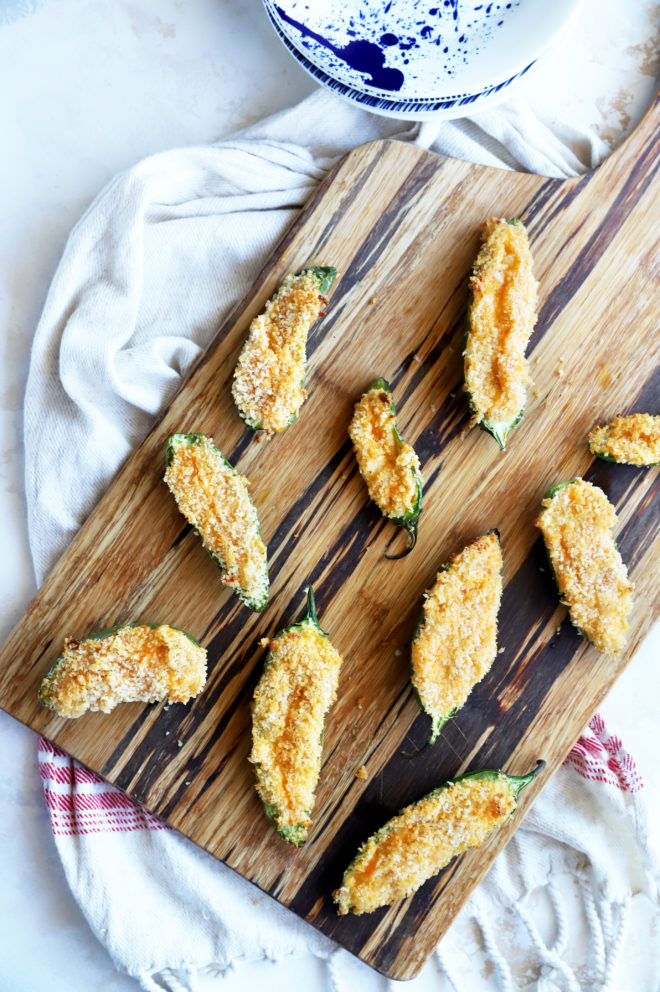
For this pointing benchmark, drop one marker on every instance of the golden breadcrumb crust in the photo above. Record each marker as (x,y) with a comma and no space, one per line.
(421,840)
(593,581)
(457,642)
(296,690)
(501,320)
(268,379)
(132,665)
(634,440)
(387,464)
(214,499)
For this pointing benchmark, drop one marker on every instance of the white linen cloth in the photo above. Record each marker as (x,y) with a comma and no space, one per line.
(169,913)
(146,277)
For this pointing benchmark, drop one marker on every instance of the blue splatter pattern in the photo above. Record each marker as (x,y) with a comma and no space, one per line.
(393,47)
(13,10)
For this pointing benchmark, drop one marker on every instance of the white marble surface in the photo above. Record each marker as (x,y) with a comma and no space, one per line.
(87,88)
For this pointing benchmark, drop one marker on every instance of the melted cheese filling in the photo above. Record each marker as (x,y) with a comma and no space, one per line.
(502,317)
(135,664)
(457,643)
(214,499)
(268,379)
(387,464)
(577,528)
(415,845)
(296,690)
(634,440)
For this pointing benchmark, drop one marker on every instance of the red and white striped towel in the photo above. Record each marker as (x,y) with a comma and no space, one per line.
(169,913)
(600,756)
(80,802)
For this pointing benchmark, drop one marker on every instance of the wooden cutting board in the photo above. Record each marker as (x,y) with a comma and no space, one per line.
(402,226)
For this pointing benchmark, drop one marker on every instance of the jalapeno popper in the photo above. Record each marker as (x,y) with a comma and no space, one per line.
(137,663)
(633,440)
(576,523)
(214,498)
(297,688)
(456,640)
(501,318)
(269,378)
(387,464)
(415,845)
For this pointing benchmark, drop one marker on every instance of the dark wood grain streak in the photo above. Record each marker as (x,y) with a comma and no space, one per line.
(634,188)
(402,226)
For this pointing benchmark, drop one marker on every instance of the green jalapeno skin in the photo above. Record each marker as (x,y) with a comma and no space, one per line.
(256,602)
(408,521)
(43,693)
(599,636)
(293,833)
(640,451)
(438,720)
(500,431)
(325,276)
(343,896)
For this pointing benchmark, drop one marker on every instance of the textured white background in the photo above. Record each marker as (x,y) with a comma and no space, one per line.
(88,87)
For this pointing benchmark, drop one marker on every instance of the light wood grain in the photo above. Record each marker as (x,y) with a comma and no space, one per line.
(402,227)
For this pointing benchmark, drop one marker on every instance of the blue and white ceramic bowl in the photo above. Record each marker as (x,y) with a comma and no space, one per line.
(420,58)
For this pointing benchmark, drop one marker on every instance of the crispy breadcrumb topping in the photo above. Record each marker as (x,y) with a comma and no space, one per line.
(268,379)
(502,317)
(296,690)
(137,664)
(634,440)
(421,840)
(577,527)
(214,499)
(457,642)
(387,464)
